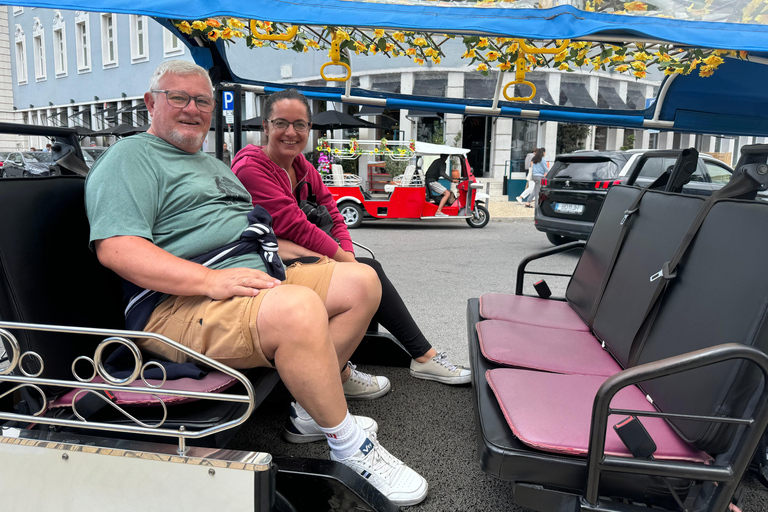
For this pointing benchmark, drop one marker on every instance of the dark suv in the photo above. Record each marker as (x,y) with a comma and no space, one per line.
(572,193)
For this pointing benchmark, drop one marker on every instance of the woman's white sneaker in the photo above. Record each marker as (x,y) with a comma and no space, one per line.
(399,483)
(440,369)
(300,429)
(363,386)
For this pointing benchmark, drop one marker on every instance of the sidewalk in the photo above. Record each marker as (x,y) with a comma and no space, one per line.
(500,206)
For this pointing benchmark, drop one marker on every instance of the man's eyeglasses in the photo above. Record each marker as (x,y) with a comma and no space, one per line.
(282,124)
(178,99)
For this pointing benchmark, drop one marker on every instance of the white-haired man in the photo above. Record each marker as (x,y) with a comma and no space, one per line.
(156,201)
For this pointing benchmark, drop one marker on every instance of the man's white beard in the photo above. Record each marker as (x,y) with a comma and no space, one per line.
(196,141)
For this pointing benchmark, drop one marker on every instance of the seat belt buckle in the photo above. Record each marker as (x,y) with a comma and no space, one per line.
(627,214)
(634,436)
(542,289)
(664,272)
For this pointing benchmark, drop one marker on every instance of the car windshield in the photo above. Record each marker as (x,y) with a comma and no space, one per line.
(584,169)
(94,153)
(38,156)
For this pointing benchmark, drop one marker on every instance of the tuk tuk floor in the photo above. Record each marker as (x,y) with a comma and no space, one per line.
(430,427)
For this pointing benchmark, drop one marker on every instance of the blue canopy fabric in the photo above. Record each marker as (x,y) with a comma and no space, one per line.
(731,102)
(503,20)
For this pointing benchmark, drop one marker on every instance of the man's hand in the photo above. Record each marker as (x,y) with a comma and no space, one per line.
(146,265)
(231,282)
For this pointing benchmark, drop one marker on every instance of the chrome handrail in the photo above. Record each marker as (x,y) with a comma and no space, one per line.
(123,337)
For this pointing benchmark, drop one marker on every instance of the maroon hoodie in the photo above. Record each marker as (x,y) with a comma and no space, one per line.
(270,188)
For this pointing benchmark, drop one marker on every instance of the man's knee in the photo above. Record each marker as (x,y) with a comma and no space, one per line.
(294,307)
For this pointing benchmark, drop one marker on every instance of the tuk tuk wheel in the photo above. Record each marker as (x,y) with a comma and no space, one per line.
(352,214)
(479,218)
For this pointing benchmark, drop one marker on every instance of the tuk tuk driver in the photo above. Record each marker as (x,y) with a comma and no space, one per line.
(434,173)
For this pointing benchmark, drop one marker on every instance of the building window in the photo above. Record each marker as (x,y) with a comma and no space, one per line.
(38,49)
(59,45)
(21,56)
(108,40)
(139,39)
(83,32)
(172,45)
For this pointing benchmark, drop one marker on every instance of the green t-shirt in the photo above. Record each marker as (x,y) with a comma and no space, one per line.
(187,204)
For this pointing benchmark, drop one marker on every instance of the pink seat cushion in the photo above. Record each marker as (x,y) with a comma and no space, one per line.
(214,381)
(544,348)
(552,412)
(530,310)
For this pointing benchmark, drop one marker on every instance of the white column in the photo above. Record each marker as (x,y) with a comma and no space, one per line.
(687,140)
(454,122)
(740,142)
(501,149)
(365,134)
(547,133)
(593,85)
(728,145)
(666,140)
(406,125)
(707,144)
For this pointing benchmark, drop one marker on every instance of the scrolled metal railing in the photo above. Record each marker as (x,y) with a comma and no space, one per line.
(16,373)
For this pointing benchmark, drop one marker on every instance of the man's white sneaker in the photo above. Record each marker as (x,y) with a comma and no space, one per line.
(402,485)
(363,386)
(441,214)
(519,199)
(300,430)
(440,369)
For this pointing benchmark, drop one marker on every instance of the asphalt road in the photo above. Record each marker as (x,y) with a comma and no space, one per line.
(437,265)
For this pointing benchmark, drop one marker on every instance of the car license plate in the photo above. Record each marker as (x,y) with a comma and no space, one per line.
(572,209)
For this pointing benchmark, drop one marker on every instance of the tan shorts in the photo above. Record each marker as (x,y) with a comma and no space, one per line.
(226,330)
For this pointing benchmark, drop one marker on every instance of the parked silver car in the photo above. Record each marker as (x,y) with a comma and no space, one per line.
(29,164)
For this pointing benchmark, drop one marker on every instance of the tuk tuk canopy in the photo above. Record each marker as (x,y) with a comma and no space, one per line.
(729,102)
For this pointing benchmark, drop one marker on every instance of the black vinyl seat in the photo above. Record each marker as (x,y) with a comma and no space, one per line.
(49,276)
(718,294)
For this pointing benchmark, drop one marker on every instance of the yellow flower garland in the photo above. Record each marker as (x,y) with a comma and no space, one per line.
(482,52)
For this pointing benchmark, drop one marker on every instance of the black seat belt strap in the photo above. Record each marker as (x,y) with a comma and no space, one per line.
(625,223)
(739,185)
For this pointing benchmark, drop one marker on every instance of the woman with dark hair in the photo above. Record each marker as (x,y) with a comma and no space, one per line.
(271,174)
(538,171)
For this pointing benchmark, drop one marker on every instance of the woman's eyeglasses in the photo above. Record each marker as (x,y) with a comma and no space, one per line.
(282,124)
(178,99)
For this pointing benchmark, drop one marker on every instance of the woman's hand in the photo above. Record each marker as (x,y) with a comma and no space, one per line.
(344,256)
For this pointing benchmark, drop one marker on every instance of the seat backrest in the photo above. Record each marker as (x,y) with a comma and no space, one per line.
(337,171)
(408,176)
(662,220)
(47,273)
(588,275)
(720,295)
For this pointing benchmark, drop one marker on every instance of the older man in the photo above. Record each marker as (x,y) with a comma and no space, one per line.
(156,201)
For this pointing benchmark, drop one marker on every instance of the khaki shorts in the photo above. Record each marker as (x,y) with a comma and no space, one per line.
(225,330)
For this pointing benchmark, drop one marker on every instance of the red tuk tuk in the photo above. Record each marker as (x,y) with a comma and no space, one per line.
(406,196)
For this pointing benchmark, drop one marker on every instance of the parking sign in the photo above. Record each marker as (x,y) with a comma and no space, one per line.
(228,100)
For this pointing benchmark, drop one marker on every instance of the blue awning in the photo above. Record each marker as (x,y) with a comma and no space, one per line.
(505,20)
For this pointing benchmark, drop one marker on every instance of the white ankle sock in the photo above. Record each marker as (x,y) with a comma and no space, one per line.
(345,438)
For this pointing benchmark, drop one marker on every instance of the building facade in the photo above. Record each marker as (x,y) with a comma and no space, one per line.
(83,69)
